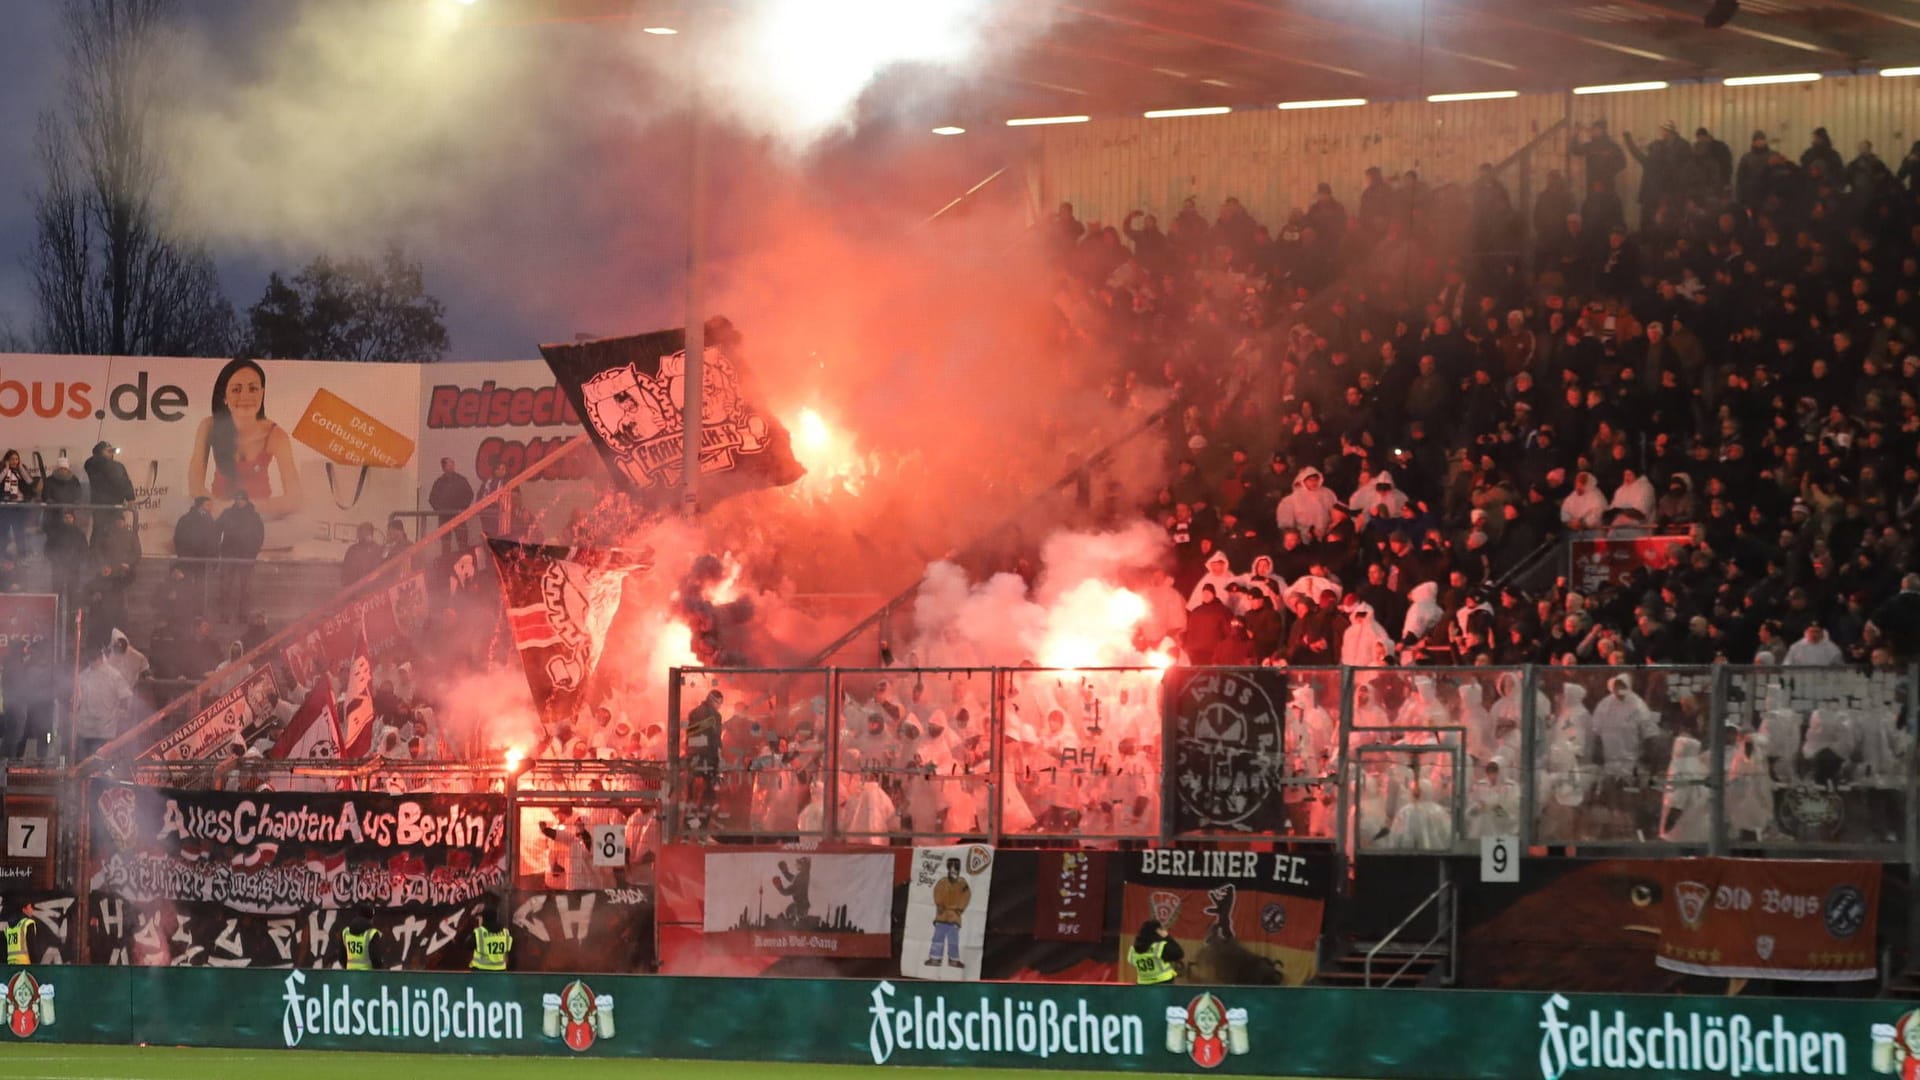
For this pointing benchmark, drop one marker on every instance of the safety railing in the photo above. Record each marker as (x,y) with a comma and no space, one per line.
(1447,926)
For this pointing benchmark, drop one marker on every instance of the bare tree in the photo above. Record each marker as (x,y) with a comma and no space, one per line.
(111,276)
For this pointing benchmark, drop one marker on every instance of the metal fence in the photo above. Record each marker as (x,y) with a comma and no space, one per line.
(1642,760)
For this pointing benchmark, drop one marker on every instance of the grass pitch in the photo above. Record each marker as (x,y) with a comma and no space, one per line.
(54,1061)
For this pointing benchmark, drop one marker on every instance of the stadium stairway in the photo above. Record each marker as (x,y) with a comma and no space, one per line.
(1397,963)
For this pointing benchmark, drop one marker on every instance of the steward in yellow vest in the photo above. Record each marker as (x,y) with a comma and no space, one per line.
(492,943)
(1153,955)
(13,935)
(361,941)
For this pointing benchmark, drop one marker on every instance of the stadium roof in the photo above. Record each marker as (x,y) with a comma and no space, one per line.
(1121,56)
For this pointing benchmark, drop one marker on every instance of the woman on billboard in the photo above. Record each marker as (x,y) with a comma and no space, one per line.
(246,448)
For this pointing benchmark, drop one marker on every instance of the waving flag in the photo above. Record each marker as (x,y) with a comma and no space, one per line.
(560,602)
(631,392)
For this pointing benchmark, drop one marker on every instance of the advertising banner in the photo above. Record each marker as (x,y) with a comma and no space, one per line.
(30,618)
(494,418)
(318,447)
(1240,916)
(283,852)
(946,912)
(1805,919)
(1226,754)
(1240,1031)
(786,904)
(1070,901)
(1600,563)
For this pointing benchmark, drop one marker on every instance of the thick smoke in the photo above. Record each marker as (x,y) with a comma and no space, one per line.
(1101,600)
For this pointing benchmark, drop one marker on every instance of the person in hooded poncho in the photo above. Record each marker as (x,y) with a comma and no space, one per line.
(1686,812)
(1365,642)
(1378,499)
(1622,724)
(1219,575)
(1493,803)
(1585,507)
(1309,507)
(1750,786)
(1423,824)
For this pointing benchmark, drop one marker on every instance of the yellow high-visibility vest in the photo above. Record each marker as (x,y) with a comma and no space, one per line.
(16,939)
(490,948)
(358,948)
(1150,967)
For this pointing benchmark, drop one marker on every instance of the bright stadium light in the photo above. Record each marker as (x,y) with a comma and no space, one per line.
(1210,110)
(1477,95)
(949,129)
(663,31)
(1620,88)
(1897,73)
(1042,121)
(1325,103)
(1769,80)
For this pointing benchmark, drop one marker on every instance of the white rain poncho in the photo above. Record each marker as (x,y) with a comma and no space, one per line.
(1622,724)
(1686,811)
(1423,824)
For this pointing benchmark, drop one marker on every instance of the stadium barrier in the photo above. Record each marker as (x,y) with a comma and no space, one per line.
(1404,1035)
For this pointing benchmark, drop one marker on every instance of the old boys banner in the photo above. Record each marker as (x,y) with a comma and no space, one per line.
(631,392)
(946,912)
(560,602)
(1240,916)
(280,852)
(795,904)
(1226,754)
(1811,920)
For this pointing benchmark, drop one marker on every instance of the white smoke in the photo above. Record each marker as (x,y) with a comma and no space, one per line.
(1101,599)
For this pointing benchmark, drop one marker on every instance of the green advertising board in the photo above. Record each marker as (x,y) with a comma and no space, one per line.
(1356,1034)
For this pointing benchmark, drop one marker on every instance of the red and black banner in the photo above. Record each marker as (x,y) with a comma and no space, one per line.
(1070,899)
(284,852)
(560,602)
(1240,916)
(1802,919)
(605,930)
(630,391)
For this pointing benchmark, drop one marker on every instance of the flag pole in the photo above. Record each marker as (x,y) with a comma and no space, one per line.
(696,333)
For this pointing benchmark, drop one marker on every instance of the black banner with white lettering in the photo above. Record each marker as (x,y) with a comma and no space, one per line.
(1247,917)
(609,930)
(286,852)
(1226,750)
(630,392)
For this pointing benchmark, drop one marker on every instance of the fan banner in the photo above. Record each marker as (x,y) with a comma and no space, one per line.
(1811,920)
(946,912)
(280,852)
(1226,759)
(560,602)
(1070,897)
(631,393)
(1242,917)
(224,724)
(787,904)
(313,734)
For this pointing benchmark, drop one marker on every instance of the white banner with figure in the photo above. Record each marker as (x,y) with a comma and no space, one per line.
(946,912)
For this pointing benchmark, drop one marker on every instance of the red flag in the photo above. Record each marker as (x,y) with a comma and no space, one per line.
(560,602)
(314,731)
(359,726)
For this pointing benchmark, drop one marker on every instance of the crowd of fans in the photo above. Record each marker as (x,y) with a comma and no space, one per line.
(1740,368)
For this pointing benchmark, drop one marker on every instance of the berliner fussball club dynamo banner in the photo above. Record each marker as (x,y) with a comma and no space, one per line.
(946,912)
(1306,1032)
